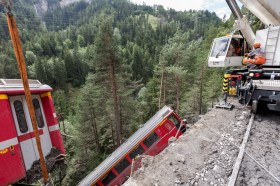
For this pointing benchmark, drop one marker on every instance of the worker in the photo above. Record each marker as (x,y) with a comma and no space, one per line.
(257,51)
(255,57)
(231,51)
(234,48)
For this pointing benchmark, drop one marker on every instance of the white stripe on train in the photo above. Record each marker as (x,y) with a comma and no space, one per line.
(7,143)
(54,128)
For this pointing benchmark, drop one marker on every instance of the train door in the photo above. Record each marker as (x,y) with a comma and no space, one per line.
(25,130)
(42,125)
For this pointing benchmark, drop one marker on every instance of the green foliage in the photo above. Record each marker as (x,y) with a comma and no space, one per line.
(31,58)
(113,64)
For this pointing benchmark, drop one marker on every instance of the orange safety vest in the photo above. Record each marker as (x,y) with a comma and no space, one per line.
(259,59)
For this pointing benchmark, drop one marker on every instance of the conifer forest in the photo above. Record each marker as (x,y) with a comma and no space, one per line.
(112,65)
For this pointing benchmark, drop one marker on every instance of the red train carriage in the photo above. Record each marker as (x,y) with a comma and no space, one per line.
(151,139)
(18,149)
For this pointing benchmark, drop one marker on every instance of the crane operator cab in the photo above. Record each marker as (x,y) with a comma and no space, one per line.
(227,51)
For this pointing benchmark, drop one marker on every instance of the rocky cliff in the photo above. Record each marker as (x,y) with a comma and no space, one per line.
(42,6)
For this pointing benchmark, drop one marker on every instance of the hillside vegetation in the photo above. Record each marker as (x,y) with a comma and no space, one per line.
(112,65)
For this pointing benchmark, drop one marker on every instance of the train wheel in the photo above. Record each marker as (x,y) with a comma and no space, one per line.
(254,106)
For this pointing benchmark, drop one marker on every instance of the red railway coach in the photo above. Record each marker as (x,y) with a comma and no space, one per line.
(151,139)
(18,150)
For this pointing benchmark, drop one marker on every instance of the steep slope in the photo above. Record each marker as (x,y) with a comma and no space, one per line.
(205,155)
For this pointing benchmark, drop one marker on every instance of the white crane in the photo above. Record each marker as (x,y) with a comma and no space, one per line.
(263,83)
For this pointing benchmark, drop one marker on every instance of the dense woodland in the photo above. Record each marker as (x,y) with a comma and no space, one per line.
(112,65)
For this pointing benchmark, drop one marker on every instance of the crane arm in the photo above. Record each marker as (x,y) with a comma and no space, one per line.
(268,11)
(241,22)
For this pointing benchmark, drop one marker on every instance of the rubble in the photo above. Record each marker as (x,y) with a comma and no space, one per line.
(264,146)
(34,173)
(204,155)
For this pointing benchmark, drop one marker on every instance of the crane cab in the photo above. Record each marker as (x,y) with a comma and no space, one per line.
(227,51)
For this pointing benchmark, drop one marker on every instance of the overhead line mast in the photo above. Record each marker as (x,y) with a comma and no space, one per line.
(14,33)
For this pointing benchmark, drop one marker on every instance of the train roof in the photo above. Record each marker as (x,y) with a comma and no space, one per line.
(126,146)
(15,86)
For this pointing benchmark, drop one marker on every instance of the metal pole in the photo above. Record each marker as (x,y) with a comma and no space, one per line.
(178,130)
(23,73)
(132,167)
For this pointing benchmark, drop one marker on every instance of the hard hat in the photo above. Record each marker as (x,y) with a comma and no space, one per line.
(257,45)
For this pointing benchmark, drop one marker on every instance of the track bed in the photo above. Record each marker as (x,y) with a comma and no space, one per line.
(264,146)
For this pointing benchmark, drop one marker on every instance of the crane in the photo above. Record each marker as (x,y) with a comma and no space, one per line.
(261,84)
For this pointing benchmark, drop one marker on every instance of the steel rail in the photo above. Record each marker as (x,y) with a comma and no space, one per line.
(249,155)
(239,159)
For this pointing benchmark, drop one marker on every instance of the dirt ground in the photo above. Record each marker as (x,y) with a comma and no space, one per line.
(204,155)
(35,172)
(264,146)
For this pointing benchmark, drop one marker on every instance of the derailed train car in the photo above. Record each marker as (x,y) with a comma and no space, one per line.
(18,150)
(151,139)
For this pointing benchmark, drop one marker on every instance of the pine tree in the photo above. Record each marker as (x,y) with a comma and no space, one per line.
(172,71)
(40,71)
(60,74)
(108,62)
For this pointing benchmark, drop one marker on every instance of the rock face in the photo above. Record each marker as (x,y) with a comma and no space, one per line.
(43,6)
(67,2)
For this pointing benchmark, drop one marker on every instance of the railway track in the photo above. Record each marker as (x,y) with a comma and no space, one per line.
(258,161)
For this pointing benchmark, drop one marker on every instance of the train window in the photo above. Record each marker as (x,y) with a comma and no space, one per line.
(20,116)
(150,140)
(137,151)
(108,178)
(38,113)
(122,165)
(174,120)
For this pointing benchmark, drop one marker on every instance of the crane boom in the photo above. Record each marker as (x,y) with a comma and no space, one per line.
(241,22)
(268,11)
(234,9)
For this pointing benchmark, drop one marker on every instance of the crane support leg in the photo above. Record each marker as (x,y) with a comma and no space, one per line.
(276,106)
(223,103)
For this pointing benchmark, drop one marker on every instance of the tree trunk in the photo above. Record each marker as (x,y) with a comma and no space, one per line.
(113,133)
(200,91)
(116,102)
(160,90)
(177,94)
(94,128)
(62,119)
(121,118)
(64,130)
(164,91)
